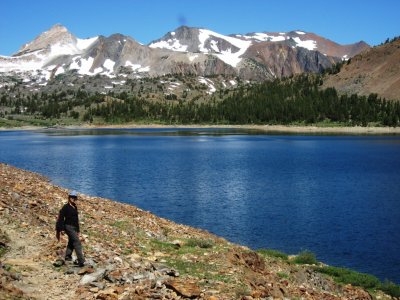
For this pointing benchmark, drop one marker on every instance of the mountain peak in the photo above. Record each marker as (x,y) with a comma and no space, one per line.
(58,28)
(56,34)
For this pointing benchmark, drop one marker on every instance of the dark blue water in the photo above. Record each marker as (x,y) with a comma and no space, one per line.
(338,196)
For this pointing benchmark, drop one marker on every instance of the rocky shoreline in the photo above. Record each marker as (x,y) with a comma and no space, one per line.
(133,254)
(355,130)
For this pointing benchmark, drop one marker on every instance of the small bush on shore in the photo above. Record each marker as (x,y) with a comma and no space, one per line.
(305,258)
(273,253)
(390,288)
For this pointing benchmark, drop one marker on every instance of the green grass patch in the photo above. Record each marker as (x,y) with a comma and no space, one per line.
(204,244)
(305,258)
(346,276)
(4,240)
(343,275)
(163,246)
(3,250)
(121,224)
(189,246)
(390,288)
(273,253)
(283,275)
(195,269)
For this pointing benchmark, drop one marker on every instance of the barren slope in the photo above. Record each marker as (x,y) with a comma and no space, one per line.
(376,70)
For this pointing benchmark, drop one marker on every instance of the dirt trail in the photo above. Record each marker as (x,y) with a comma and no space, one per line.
(38,278)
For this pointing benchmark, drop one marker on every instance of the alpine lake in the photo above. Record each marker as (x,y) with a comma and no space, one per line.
(335,195)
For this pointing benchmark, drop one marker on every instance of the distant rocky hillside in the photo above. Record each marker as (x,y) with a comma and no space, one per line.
(376,70)
(187,50)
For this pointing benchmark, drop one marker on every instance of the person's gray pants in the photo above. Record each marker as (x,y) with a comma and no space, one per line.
(73,244)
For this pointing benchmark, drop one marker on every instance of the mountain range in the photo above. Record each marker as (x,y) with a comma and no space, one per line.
(186,50)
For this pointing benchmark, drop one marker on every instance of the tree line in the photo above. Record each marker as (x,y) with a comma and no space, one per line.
(288,101)
(277,102)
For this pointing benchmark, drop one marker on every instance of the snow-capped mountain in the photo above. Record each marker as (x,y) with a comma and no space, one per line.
(39,54)
(230,48)
(186,50)
(186,39)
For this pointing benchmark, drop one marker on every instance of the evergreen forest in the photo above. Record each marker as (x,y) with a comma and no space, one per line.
(296,100)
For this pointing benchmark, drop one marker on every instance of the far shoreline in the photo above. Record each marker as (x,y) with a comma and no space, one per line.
(312,129)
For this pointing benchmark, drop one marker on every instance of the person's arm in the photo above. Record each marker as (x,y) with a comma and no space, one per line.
(78,230)
(60,223)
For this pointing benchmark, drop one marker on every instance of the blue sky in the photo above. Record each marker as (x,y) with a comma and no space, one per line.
(146,20)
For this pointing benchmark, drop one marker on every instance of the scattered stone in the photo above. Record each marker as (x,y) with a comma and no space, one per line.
(118,260)
(89,278)
(15,196)
(177,243)
(108,294)
(86,270)
(59,263)
(185,288)
(32,203)
(99,285)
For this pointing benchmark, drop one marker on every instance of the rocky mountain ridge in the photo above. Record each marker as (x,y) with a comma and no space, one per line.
(376,70)
(186,50)
(132,254)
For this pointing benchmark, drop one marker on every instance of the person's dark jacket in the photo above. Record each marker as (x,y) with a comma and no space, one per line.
(68,216)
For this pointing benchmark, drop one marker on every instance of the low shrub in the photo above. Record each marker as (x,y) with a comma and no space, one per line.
(346,276)
(305,257)
(273,253)
(390,288)
(205,244)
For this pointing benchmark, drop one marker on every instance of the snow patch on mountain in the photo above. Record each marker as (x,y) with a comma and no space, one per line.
(84,65)
(193,57)
(137,67)
(133,66)
(171,44)
(209,84)
(109,64)
(71,48)
(83,44)
(14,64)
(59,71)
(308,44)
(62,49)
(229,57)
(264,37)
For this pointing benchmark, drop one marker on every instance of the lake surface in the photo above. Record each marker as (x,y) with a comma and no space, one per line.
(337,196)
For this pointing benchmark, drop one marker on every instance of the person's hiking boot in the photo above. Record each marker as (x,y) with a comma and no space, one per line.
(79,264)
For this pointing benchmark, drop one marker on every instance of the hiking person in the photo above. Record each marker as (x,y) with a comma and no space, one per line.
(68,222)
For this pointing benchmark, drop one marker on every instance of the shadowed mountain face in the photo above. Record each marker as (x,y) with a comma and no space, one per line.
(198,51)
(376,70)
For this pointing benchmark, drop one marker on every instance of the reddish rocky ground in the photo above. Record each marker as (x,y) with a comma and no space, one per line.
(132,254)
(376,70)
